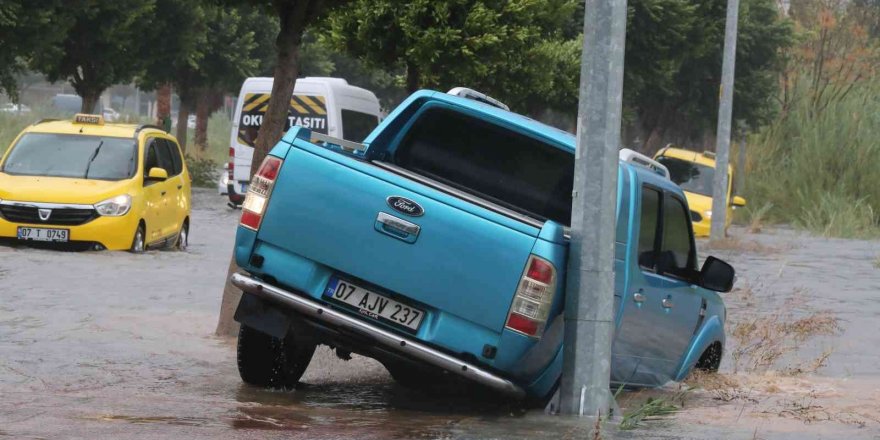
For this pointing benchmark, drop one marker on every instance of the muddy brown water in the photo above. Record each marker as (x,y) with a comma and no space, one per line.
(113,345)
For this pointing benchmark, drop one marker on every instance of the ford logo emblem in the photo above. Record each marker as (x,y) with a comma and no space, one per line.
(404,205)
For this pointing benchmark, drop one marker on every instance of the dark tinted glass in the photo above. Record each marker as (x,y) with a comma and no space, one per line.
(70,155)
(690,176)
(356,125)
(648,227)
(676,252)
(164,156)
(513,170)
(174,155)
(152,158)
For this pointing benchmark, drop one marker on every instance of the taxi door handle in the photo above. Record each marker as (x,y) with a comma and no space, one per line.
(162,193)
(179,186)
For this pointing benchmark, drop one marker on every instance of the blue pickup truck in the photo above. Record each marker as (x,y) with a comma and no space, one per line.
(439,246)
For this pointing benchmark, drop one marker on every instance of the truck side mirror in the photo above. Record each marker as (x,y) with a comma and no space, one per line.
(717,275)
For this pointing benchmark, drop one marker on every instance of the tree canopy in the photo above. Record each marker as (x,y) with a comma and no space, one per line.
(104,45)
(673,66)
(505,48)
(27,27)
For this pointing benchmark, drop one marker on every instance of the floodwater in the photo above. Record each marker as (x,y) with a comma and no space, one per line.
(113,345)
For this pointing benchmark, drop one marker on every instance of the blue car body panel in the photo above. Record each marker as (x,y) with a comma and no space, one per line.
(464,265)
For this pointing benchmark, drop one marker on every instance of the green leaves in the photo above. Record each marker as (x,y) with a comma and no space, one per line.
(500,47)
(27,27)
(102,46)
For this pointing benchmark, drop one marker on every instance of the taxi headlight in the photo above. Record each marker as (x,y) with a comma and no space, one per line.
(114,207)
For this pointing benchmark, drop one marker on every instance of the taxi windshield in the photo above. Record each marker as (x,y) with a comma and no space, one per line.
(690,176)
(76,156)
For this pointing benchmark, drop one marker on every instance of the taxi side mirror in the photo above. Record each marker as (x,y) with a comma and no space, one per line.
(157,174)
(738,202)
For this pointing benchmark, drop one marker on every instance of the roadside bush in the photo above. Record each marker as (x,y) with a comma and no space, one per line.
(818,170)
(203,171)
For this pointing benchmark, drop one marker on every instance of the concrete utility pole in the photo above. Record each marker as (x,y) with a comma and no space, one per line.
(589,299)
(725,112)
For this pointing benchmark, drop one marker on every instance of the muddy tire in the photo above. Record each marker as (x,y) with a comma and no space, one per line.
(710,361)
(266,361)
(138,242)
(182,238)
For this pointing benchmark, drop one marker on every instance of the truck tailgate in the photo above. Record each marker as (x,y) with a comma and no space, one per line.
(464,261)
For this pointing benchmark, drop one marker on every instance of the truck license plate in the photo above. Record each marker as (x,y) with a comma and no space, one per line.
(374,305)
(43,234)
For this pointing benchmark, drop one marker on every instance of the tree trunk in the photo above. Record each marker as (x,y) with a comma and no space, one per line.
(89,100)
(293,17)
(226,325)
(412,78)
(182,119)
(163,102)
(202,113)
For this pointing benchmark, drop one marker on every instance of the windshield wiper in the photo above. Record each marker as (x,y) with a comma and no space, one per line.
(92,159)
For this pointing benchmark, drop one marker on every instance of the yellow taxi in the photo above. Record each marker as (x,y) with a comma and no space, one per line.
(695,173)
(83,183)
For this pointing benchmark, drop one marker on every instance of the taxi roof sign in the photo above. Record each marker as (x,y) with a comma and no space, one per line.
(83,118)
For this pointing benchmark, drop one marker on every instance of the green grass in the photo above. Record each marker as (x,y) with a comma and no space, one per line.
(217,150)
(11,124)
(819,172)
(654,408)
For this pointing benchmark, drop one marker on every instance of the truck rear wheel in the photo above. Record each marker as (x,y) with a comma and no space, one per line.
(270,362)
(409,376)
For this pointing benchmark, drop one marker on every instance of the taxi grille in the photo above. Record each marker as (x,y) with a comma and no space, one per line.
(58,216)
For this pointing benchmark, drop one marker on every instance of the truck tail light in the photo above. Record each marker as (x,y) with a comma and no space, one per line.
(258,193)
(230,169)
(534,296)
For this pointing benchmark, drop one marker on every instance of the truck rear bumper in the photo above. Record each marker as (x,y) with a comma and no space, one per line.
(403,345)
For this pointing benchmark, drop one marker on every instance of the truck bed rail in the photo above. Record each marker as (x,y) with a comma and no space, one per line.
(344,144)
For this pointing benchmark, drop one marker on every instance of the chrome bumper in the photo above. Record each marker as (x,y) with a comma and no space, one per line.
(320,312)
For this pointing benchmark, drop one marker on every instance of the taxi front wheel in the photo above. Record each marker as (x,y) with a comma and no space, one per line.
(183,238)
(137,243)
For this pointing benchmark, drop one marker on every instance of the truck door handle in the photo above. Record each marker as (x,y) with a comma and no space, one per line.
(639,297)
(162,193)
(397,227)
(179,186)
(667,303)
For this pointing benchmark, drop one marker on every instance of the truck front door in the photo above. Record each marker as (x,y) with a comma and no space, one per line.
(681,301)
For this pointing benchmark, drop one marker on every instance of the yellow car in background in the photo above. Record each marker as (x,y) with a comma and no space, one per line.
(86,184)
(694,173)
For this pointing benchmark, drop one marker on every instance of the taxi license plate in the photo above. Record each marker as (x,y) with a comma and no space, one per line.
(43,234)
(374,305)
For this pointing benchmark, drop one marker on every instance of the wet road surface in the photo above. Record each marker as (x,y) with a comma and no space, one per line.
(114,345)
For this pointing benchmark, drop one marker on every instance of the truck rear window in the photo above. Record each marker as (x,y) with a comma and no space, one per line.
(490,161)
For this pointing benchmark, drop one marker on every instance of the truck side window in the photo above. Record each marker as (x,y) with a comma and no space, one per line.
(677,255)
(648,228)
